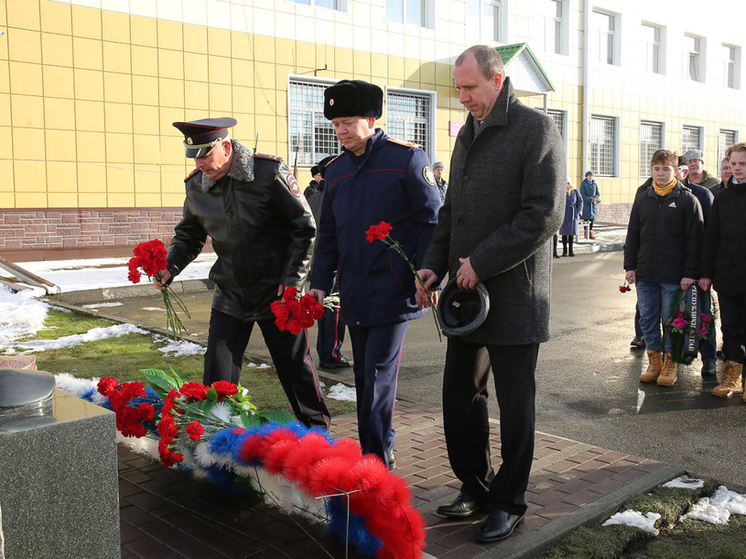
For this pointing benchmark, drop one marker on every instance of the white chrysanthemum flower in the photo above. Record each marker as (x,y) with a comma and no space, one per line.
(202,455)
(222,411)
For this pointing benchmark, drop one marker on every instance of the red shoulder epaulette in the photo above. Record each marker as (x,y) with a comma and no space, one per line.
(191,175)
(270,157)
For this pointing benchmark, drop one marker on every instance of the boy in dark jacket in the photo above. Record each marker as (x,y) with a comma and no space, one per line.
(662,255)
(724,267)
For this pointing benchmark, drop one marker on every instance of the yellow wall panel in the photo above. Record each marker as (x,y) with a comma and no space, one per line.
(147,150)
(242,46)
(56,17)
(265,126)
(58,82)
(143,31)
(116,26)
(145,119)
(117,88)
(86,22)
(147,200)
(171,64)
(144,90)
(243,99)
(57,49)
(306,57)
(172,180)
(120,200)
(23,14)
(89,116)
(62,200)
(92,200)
(63,177)
(219,70)
(171,92)
(167,116)
(118,149)
(30,176)
(218,42)
(361,63)
(220,99)
(395,70)
(6,165)
(173,150)
(264,48)
(147,177)
(117,57)
(196,95)
(60,145)
(25,78)
(195,38)
(286,52)
(144,61)
(92,178)
(245,131)
(380,64)
(5,110)
(4,78)
(242,72)
(28,143)
(7,200)
(119,180)
(170,35)
(264,75)
(118,117)
(91,148)
(343,62)
(88,53)
(31,200)
(195,67)
(24,45)
(172,200)
(89,84)
(59,114)
(27,111)
(427,74)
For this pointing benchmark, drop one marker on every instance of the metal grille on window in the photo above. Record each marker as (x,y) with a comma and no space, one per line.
(727,139)
(408,118)
(311,134)
(690,138)
(559,119)
(603,140)
(651,140)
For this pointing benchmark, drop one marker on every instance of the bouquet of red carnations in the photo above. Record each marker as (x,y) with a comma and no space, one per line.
(151,257)
(294,312)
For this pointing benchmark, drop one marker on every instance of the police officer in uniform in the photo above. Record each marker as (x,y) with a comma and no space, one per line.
(374,179)
(262,231)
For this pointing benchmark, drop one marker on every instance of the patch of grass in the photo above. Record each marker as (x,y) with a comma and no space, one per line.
(123,358)
(677,539)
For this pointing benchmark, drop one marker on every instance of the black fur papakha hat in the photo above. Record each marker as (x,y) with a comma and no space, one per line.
(462,312)
(353,98)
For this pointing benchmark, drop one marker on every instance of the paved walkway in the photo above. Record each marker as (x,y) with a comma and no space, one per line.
(166,514)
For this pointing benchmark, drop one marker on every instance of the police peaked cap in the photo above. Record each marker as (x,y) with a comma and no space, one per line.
(461,312)
(201,135)
(353,98)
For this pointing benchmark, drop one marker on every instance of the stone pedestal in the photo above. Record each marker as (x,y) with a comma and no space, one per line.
(58,480)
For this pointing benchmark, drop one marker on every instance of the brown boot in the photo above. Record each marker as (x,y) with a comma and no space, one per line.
(668,375)
(732,382)
(655,365)
(592,235)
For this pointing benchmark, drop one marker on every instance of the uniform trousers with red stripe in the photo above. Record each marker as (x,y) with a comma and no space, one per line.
(227,342)
(376,353)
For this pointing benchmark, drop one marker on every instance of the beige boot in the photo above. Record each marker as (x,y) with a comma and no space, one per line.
(655,365)
(670,369)
(732,382)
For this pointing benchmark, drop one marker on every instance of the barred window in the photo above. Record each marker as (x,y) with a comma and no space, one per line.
(603,146)
(651,140)
(559,119)
(691,138)
(408,116)
(310,134)
(727,139)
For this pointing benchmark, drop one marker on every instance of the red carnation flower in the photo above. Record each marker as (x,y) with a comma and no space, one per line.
(195,430)
(378,232)
(224,388)
(107,385)
(194,391)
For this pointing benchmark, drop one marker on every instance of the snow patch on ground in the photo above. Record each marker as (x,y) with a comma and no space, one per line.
(685,482)
(342,392)
(635,518)
(181,348)
(718,508)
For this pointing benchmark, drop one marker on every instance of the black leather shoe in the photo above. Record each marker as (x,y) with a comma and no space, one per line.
(638,341)
(343,363)
(708,369)
(465,505)
(498,526)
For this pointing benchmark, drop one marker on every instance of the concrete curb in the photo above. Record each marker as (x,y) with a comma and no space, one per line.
(129,291)
(539,540)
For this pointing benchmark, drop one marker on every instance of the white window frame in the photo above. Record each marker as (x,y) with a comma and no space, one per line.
(480,20)
(565,122)
(427,19)
(655,52)
(695,58)
(616,156)
(732,72)
(308,158)
(431,135)
(610,37)
(700,137)
(645,158)
(341,5)
(723,146)
(558,24)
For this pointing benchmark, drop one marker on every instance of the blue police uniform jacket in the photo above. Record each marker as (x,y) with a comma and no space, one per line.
(391,181)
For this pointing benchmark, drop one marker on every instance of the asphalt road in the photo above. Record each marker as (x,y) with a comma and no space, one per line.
(587,376)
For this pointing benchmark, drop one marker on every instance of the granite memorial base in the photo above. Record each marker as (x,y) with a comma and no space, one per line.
(58,472)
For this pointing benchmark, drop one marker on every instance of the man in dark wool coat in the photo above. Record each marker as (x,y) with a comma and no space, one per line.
(504,203)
